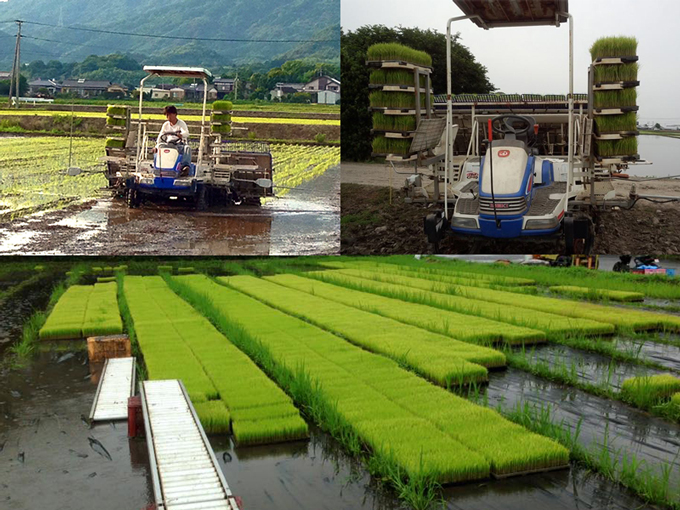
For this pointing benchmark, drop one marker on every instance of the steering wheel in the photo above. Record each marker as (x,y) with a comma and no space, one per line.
(164,138)
(505,124)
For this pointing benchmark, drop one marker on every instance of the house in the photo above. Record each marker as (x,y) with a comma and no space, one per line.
(50,85)
(281,89)
(224,86)
(118,90)
(178,93)
(324,89)
(85,88)
(5,75)
(194,91)
(160,93)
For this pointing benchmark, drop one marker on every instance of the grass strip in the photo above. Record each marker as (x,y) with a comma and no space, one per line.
(438,358)
(647,391)
(467,328)
(440,296)
(406,422)
(621,318)
(598,294)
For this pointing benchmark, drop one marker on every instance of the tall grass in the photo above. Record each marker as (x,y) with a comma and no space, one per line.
(400,123)
(613,295)
(614,47)
(395,51)
(648,391)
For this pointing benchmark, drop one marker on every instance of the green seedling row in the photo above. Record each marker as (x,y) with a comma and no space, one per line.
(467,328)
(401,123)
(222,106)
(675,400)
(383,145)
(621,72)
(438,358)
(216,368)
(614,47)
(214,416)
(623,122)
(395,51)
(115,143)
(110,121)
(117,110)
(394,77)
(621,318)
(615,98)
(102,316)
(624,147)
(449,276)
(647,391)
(613,295)
(82,311)
(439,296)
(415,427)
(398,100)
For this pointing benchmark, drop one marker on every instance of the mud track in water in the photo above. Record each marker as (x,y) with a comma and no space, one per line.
(305,221)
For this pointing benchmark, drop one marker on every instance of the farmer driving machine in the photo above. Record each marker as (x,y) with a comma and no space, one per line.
(511,166)
(204,170)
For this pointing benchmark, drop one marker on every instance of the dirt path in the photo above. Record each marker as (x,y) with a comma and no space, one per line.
(373,226)
(303,222)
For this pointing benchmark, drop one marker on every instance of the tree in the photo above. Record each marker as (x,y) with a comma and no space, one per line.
(657,126)
(470,77)
(23,86)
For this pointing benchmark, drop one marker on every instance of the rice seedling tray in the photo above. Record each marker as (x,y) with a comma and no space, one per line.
(394,134)
(398,88)
(390,110)
(502,476)
(615,60)
(394,157)
(615,85)
(397,64)
(615,111)
(617,160)
(616,135)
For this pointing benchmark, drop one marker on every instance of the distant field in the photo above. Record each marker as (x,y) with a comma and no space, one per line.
(152,116)
(239,105)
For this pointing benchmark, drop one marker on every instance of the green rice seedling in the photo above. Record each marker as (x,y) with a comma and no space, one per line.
(404,288)
(624,147)
(463,327)
(223,106)
(394,77)
(102,316)
(615,123)
(396,100)
(614,47)
(615,98)
(223,128)
(66,319)
(390,410)
(96,270)
(223,118)
(106,279)
(165,269)
(613,73)
(273,430)
(400,123)
(115,122)
(185,270)
(38,268)
(439,358)
(395,51)
(382,145)
(116,110)
(613,295)
(115,143)
(108,269)
(647,391)
(238,382)
(214,416)
(675,400)
(621,318)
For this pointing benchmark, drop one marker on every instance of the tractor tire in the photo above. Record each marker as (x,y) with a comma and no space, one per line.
(132,198)
(201,198)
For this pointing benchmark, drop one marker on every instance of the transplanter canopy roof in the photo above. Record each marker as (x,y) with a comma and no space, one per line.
(514,13)
(179,72)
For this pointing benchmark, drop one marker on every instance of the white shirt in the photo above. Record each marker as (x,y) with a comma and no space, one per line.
(168,128)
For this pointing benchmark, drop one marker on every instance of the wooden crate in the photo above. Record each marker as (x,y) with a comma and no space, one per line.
(101,348)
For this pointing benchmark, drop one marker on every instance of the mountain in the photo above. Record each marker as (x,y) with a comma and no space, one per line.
(225,19)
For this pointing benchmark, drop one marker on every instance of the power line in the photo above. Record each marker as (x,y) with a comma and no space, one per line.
(181,38)
(63,42)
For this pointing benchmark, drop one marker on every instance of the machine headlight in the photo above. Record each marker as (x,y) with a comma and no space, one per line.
(182,182)
(460,222)
(147,180)
(542,224)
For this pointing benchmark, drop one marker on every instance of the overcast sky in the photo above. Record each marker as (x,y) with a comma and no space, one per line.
(535,60)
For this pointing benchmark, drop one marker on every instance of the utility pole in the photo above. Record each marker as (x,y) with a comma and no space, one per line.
(236,88)
(16,67)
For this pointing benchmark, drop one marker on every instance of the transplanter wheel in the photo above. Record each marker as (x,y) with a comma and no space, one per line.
(132,198)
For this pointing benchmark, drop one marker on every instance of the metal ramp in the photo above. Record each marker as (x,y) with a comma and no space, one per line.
(116,385)
(184,470)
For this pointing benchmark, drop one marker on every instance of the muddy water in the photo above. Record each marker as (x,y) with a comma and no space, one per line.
(664,354)
(588,367)
(629,430)
(305,221)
